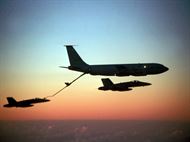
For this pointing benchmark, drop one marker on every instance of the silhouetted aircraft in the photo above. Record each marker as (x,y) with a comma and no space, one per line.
(125,86)
(25,103)
(140,69)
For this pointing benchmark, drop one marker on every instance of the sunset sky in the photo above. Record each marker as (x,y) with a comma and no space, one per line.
(32,35)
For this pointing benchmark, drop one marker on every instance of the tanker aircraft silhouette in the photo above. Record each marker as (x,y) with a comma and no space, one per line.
(125,86)
(139,69)
(24,103)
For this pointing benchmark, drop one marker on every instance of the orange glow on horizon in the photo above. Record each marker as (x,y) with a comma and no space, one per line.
(113,106)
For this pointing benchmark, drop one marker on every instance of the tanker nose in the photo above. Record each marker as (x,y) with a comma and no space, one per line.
(166,69)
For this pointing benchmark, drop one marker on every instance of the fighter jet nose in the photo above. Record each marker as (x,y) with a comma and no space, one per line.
(147,84)
(46,100)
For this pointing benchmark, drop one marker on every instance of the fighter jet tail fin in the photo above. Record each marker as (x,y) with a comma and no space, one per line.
(74,58)
(107,82)
(11,100)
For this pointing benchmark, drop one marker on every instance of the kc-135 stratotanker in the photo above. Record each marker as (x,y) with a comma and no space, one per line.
(137,69)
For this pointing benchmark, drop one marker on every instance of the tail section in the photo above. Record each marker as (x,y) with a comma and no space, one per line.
(11,100)
(74,58)
(107,82)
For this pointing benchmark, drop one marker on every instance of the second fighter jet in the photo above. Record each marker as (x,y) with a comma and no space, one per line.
(124,86)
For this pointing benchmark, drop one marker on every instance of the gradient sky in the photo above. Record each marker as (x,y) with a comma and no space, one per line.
(32,35)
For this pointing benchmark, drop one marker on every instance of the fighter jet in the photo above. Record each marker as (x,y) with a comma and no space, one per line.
(140,69)
(24,103)
(125,86)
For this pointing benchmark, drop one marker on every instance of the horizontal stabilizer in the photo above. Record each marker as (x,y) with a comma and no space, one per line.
(63,67)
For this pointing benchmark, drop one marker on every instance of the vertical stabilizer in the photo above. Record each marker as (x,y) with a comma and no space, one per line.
(107,82)
(74,58)
(11,100)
